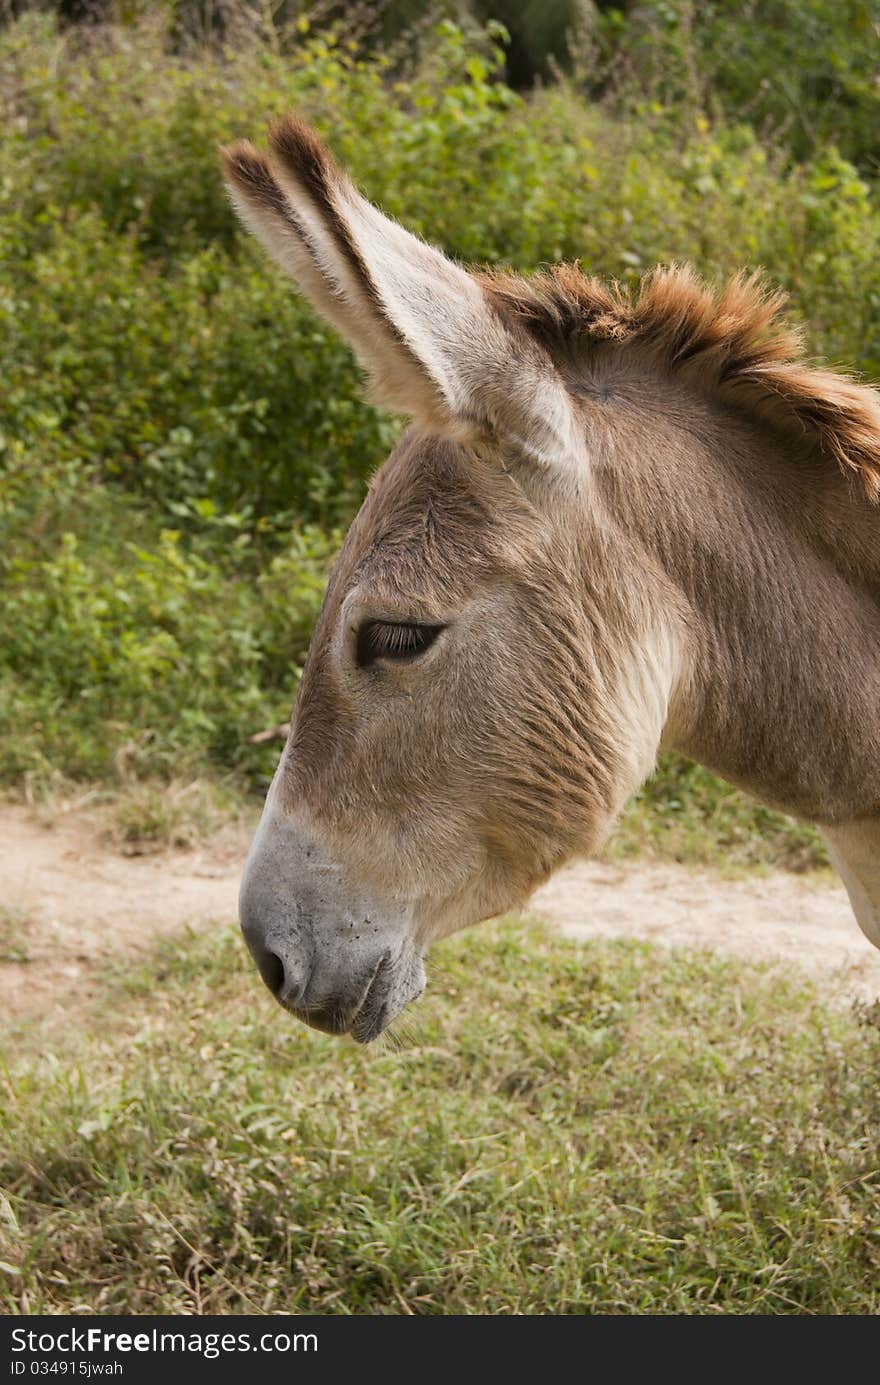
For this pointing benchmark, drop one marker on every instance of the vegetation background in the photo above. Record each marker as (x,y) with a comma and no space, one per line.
(182,442)
(181,446)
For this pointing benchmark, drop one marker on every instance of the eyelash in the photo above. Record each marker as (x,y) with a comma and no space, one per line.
(380,639)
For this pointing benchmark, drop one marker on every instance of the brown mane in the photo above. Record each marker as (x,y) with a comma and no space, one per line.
(736,339)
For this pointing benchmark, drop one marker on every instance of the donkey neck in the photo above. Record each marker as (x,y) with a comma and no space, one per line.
(668,452)
(776,565)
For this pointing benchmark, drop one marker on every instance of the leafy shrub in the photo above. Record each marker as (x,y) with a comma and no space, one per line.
(153,661)
(803,70)
(160,380)
(203,382)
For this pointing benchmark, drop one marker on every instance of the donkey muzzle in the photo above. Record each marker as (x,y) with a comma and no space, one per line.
(331,952)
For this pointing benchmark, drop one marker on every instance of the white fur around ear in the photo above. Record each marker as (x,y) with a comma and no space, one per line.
(422,326)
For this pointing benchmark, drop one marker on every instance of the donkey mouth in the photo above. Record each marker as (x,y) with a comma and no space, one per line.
(371,1012)
(366,1008)
(397,981)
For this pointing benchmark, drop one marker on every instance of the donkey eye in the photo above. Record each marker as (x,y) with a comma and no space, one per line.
(380,639)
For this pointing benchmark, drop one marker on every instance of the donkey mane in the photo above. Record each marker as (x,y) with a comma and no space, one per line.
(735,340)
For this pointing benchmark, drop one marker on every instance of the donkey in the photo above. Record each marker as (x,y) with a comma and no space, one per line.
(618,523)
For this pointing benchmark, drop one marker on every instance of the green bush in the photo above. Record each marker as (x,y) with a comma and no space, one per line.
(158,377)
(151,659)
(804,71)
(194,383)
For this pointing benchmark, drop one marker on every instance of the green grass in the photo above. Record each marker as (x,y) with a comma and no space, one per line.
(149,816)
(566,1129)
(15,924)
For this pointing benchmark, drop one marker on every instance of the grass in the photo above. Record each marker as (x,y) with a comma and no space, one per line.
(566,1129)
(149,816)
(15,924)
(685,814)
(140,817)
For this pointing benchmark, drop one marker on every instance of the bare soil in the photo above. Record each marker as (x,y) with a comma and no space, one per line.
(71,903)
(806,921)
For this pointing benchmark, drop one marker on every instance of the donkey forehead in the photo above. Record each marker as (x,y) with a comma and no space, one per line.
(438,520)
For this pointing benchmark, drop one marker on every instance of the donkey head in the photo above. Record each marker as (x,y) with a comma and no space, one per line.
(476,704)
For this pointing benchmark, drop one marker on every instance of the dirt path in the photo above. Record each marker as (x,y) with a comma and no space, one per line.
(70,903)
(777,917)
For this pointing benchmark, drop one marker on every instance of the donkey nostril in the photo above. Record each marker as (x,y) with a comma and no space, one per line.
(272,971)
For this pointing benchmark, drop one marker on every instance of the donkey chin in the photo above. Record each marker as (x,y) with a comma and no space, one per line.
(333,952)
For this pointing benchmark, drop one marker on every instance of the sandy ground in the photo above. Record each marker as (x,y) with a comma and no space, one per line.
(70,902)
(775,917)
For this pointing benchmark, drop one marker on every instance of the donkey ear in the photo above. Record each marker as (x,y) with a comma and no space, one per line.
(422,326)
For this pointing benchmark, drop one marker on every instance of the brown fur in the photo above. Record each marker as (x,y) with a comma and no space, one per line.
(439,531)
